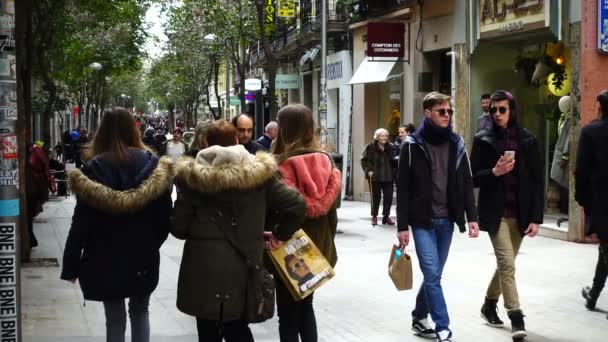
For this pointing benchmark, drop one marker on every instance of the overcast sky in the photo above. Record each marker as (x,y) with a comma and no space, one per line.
(157,37)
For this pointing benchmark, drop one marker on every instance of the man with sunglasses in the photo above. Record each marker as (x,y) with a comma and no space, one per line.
(507,168)
(435,190)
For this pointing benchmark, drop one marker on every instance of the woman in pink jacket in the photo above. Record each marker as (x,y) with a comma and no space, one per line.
(305,167)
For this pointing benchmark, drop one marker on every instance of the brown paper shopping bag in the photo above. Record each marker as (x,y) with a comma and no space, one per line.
(301,266)
(400,269)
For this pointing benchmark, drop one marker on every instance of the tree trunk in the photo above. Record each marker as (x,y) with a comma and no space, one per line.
(196,105)
(216,76)
(270,65)
(23,28)
(48,111)
(81,99)
(271,70)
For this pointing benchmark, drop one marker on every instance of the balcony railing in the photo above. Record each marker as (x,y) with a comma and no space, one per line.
(360,10)
(287,33)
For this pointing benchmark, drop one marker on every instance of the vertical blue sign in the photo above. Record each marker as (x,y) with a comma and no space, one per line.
(602,25)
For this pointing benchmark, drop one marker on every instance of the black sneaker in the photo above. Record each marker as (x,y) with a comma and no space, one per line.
(590,298)
(518,327)
(490,315)
(422,328)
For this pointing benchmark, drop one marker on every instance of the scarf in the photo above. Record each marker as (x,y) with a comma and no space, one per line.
(434,135)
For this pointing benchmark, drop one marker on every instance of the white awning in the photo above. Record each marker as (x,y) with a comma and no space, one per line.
(374,71)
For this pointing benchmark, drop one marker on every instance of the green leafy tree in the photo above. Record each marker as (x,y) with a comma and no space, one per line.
(69,35)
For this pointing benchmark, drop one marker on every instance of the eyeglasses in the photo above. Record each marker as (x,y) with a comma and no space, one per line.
(501,110)
(443,111)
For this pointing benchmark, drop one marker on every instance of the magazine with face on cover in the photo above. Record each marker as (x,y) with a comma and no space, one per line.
(301,266)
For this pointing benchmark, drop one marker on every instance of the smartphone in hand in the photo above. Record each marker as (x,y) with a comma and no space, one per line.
(509,155)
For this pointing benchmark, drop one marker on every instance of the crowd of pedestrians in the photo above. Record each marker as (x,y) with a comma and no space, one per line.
(237,196)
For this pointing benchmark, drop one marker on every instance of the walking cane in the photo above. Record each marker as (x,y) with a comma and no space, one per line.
(371,197)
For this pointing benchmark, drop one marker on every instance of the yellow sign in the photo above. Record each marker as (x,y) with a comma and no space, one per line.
(269,18)
(503,17)
(286,8)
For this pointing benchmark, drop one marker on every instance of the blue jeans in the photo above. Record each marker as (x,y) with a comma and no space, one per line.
(432,249)
(116,319)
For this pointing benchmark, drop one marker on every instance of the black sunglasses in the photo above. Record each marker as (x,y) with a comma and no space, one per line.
(443,111)
(298,265)
(501,110)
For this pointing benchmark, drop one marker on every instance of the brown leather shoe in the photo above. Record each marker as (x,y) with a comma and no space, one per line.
(387,220)
(374,221)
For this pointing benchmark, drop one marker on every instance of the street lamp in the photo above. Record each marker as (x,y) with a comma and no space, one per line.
(124,98)
(209,38)
(96,66)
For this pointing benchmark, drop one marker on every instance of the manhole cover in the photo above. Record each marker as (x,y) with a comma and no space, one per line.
(41,262)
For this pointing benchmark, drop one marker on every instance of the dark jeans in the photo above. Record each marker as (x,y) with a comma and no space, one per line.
(432,249)
(601,270)
(384,189)
(116,319)
(214,331)
(296,318)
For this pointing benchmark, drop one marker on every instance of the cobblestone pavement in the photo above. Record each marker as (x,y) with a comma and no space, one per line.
(360,304)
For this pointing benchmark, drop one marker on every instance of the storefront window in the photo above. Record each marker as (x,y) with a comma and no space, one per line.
(389,101)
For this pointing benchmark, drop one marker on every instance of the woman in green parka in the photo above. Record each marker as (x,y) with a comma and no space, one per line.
(305,167)
(225,184)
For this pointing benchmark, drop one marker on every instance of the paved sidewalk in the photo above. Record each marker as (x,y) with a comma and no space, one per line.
(360,304)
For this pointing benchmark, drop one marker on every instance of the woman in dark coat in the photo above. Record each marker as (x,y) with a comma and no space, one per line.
(592,191)
(305,167)
(506,166)
(377,162)
(226,190)
(121,219)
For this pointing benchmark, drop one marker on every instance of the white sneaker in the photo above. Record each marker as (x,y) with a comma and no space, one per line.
(444,336)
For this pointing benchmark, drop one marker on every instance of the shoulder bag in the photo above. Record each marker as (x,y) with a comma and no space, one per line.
(260,292)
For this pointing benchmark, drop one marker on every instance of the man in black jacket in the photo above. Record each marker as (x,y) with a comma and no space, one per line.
(507,168)
(244,130)
(435,190)
(592,192)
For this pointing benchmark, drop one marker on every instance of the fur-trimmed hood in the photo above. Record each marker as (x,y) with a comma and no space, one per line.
(107,191)
(315,177)
(217,169)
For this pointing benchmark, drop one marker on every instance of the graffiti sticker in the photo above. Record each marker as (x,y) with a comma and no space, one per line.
(9,147)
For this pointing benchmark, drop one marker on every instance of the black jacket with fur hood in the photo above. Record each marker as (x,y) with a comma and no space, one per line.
(227,190)
(120,221)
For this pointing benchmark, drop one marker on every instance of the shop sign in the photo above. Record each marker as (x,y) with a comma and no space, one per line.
(602,25)
(291,81)
(386,40)
(253,84)
(286,8)
(235,101)
(502,17)
(269,17)
(339,69)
